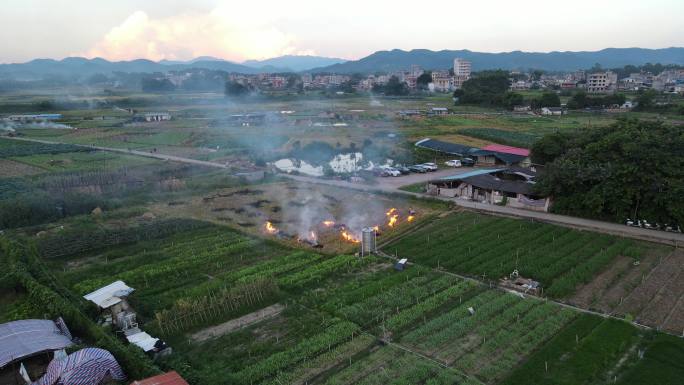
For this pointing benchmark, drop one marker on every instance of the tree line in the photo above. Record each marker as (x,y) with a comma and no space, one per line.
(630,169)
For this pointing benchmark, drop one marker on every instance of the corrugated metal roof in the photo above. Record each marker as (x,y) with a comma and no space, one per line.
(445,147)
(109,295)
(170,378)
(24,338)
(471,173)
(502,156)
(507,149)
(490,182)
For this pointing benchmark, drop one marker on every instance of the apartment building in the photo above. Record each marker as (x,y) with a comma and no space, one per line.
(601,82)
(462,67)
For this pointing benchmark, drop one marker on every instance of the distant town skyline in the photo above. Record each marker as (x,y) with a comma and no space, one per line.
(261,29)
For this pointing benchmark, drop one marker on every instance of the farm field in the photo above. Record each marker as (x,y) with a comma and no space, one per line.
(339,319)
(10,168)
(491,248)
(503,128)
(248,285)
(651,292)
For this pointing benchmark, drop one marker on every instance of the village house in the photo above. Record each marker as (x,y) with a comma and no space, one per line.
(511,186)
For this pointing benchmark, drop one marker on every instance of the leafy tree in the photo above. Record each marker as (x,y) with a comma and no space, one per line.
(512,99)
(549,99)
(645,100)
(157,85)
(423,80)
(234,88)
(581,100)
(550,147)
(488,88)
(537,74)
(394,87)
(630,169)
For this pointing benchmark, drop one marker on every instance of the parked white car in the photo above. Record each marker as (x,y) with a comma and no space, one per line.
(453,163)
(393,171)
(430,166)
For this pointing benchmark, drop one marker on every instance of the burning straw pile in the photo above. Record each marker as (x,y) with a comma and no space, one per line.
(351,234)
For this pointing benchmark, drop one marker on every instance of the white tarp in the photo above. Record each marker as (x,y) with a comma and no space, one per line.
(24,338)
(109,295)
(143,340)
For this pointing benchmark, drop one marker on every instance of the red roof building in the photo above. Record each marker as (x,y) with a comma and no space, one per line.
(170,378)
(507,149)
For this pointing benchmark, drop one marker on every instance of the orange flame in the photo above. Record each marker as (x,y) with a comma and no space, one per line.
(328,223)
(349,237)
(391,211)
(269,228)
(376,228)
(410,218)
(393,220)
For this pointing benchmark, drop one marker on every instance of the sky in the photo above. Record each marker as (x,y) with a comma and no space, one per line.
(350,29)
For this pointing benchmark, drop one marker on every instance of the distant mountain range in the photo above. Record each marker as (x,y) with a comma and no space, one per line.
(381,61)
(387,61)
(81,66)
(295,63)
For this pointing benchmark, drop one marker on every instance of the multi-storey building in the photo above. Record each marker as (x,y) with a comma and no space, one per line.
(462,67)
(601,82)
(441,81)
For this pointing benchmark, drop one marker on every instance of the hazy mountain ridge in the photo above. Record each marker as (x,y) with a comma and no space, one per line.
(82,66)
(381,61)
(294,62)
(396,59)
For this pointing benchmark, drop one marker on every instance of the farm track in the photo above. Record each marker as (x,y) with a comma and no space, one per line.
(562,220)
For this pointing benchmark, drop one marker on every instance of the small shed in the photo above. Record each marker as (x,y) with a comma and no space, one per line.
(110,295)
(112,299)
(401,264)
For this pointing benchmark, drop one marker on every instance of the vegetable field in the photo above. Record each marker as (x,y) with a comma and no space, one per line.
(342,319)
(14,148)
(491,248)
(511,138)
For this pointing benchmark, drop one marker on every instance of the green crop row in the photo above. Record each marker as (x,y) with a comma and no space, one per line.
(511,138)
(15,148)
(308,348)
(581,353)
(491,248)
(374,309)
(414,313)
(335,356)
(390,365)
(320,270)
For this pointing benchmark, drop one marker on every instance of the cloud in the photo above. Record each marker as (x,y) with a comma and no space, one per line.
(225,32)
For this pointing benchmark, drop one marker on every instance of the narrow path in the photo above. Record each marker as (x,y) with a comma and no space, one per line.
(674,239)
